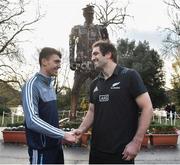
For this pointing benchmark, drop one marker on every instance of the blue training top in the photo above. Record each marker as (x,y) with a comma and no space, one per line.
(40,110)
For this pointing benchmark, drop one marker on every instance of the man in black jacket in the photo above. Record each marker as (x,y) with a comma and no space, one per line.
(116,96)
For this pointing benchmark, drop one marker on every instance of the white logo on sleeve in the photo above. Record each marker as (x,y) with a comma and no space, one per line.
(116,85)
(103,98)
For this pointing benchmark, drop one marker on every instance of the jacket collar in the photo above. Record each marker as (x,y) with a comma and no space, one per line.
(46,79)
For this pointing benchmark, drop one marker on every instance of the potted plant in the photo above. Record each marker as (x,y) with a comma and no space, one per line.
(145,141)
(14,134)
(163,134)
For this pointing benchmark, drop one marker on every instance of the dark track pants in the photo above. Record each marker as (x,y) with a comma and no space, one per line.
(47,156)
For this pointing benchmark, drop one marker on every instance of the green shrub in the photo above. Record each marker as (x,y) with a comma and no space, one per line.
(70,125)
(15,124)
(163,129)
(19,128)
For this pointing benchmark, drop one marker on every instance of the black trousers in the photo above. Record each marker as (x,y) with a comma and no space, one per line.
(46,156)
(97,157)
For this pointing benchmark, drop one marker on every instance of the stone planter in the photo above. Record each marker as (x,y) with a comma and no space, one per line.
(164,139)
(163,135)
(85,138)
(14,136)
(145,141)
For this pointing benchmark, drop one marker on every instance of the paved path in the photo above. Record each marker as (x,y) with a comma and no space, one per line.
(17,154)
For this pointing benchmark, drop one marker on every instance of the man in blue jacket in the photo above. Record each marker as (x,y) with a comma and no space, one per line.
(41,117)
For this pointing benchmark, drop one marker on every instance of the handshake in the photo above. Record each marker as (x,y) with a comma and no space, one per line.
(73,136)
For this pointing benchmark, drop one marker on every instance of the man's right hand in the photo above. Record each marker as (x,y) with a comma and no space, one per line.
(70,137)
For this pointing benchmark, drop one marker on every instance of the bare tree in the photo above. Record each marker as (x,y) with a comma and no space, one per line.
(110,15)
(11,76)
(13,22)
(172,40)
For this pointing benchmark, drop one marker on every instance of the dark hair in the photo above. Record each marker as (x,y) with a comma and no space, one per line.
(47,52)
(105,47)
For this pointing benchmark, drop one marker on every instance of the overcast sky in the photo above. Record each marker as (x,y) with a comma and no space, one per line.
(149,18)
(62,15)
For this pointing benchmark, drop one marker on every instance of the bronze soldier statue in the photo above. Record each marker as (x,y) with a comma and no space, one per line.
(81,39)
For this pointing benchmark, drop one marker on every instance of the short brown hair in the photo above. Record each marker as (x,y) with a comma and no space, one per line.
(105,47)
(47,52)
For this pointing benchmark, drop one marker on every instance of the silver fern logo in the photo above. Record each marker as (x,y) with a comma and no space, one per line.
(116,85)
